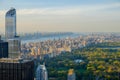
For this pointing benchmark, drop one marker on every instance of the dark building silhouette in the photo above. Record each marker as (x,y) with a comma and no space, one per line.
(3,49)
(16,69)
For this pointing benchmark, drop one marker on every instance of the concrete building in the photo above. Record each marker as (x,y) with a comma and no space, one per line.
(41,73)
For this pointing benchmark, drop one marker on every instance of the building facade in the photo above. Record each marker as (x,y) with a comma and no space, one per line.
(16,69)
(41,73)
(10,24)
(10,33)
(14,47)
(3,49)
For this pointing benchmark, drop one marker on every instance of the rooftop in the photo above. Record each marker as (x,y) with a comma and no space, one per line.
(11,12)
(70,72)
(10,60)
(41,67)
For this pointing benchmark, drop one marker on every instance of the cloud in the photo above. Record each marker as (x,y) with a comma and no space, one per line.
(98,17)
(67,10)
(72,10)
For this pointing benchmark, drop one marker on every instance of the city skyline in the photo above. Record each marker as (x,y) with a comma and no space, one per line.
(64,16)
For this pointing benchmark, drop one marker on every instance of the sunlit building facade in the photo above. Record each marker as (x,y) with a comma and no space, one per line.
(71,75)
(10,33)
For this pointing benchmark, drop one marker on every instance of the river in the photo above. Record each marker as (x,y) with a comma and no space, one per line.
(50,38)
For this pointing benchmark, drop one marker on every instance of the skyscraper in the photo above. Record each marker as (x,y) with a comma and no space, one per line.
(41,73)
(10,23)
(10,33)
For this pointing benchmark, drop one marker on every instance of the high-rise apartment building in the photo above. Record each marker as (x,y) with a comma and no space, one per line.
(41,73)
(16,69)
(10,33)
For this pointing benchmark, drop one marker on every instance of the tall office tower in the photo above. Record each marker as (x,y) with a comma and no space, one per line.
(10,23)
(16,69)
(41,73)
(10,33)
(3,49)
(71,75)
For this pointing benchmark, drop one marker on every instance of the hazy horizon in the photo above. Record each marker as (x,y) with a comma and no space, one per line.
(63,16)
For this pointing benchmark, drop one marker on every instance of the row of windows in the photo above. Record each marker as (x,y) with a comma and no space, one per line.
(17,71)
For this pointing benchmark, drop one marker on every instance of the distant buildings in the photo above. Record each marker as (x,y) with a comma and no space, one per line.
(41,73)
(10,33)
(16,69)
(3,49)
(71,75)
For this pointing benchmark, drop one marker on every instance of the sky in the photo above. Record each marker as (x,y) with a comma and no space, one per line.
(63,15)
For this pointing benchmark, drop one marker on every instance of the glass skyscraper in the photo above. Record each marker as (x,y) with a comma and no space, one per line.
(10,33)
(10,23)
